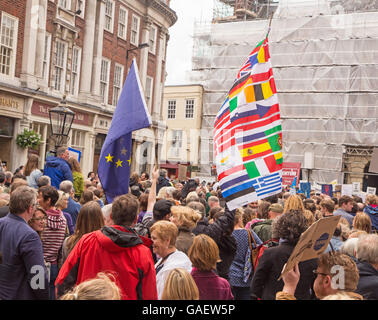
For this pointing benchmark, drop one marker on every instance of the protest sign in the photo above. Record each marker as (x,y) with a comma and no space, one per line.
(290,170)
(74,154)
(356,187)
(305,188)
(371,190)
(312,242)
(327,189)
(347,190)
(182,170)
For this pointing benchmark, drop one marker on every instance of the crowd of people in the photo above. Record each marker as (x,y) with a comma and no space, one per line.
(173,240)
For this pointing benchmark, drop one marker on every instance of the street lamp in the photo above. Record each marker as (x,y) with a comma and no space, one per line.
(61,119)
(141,46)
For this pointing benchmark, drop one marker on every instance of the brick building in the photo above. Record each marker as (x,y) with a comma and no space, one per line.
(77,48)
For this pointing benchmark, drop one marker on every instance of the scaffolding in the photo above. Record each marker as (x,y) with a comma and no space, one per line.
(242,10)
(325,62)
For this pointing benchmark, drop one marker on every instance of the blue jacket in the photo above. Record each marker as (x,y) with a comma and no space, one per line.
(58,170)
(344,214)
(73,209)
(373,214)
(334,244)
(22,264)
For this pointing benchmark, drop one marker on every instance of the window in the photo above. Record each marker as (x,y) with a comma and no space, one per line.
(149,89)
(189,108)
(78,141)
(46,57)
(109,14)
(60,65)
(176,143)
(75,71)
(135,30)
(104,80)
(65,4)
(9,31)
(171,109)
(122,23)
(152,40)
(117,83)
(80,5)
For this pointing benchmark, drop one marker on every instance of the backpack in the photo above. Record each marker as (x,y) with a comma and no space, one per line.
(143,228)
(262,247)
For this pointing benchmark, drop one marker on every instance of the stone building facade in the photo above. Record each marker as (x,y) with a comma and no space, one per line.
(77,48)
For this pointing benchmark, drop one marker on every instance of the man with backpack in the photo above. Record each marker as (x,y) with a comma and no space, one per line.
(117,249)
(264,228)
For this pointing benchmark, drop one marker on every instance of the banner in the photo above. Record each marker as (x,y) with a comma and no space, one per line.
(290,170)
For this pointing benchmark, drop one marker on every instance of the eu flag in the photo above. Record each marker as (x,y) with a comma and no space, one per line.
(130,114)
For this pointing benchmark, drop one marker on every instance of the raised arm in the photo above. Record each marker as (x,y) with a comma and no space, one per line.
(152,194)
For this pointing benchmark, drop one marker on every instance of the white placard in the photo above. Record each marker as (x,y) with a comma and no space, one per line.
(347,190)
(371,190)
(356,187)
(362,195)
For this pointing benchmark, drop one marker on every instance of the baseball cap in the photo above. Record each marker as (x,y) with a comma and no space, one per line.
(276,207)
(161,208)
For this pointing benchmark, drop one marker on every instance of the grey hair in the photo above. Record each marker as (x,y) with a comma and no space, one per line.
(66,186)
(106,211)
(213,199)
(21,199)
(44,181)
(163,173)
(367,248)
(60,151)
(349,247)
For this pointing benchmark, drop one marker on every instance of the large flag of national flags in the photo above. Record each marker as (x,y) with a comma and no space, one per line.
(248,134)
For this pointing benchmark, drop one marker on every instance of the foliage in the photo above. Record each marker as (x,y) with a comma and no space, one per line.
(28,139)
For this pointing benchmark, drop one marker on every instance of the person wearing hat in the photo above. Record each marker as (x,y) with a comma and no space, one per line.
(264,228)
(156,210)
(135,190)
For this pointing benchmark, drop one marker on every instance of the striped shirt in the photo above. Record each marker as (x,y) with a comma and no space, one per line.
(53,235)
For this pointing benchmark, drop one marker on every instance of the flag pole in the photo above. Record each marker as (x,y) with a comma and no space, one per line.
(270,24)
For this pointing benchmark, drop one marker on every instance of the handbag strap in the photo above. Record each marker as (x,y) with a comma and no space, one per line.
(250,235)
(249,240)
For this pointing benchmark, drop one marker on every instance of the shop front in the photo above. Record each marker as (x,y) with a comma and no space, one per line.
(81,137)
(11,113)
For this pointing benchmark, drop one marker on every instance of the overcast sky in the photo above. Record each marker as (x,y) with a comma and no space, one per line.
(180,45)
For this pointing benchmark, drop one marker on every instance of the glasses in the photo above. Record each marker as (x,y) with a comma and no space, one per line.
(315,272)
(39,219)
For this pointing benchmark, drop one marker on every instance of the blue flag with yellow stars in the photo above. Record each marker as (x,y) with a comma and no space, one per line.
(130,114)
